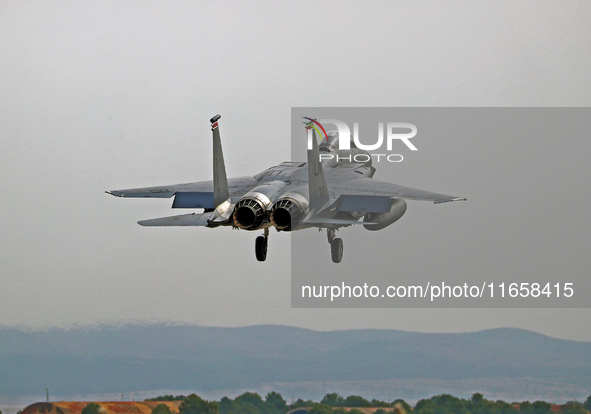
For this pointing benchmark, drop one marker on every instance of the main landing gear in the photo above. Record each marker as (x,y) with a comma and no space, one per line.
(336,246)
(260,246)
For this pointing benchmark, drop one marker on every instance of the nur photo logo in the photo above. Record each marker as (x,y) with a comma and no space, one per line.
(389,135)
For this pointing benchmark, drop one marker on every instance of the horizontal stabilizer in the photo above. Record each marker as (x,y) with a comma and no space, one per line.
(365,203)
(328,221)
(190,219)
(194,200)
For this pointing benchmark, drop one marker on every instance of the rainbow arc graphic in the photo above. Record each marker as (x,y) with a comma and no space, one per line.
(312,123)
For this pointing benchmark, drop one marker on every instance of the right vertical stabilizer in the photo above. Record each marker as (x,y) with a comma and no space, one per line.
(316,178)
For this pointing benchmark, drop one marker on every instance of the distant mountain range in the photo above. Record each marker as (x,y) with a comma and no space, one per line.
(133,358)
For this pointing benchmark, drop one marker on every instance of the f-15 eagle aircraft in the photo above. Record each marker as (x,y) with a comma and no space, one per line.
(333,193)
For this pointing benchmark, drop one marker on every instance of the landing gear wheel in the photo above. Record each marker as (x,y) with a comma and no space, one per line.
(336,250)
(260,248)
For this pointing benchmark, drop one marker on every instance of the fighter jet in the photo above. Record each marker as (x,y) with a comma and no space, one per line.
(326,194)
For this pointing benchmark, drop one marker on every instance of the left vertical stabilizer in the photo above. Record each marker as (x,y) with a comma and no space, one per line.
(221,192)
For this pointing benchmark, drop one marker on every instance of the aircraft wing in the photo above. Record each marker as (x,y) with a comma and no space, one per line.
(371,187)
(237,187)
(191,195)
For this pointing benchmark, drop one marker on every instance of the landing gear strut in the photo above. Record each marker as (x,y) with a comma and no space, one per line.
(260,246)
(336,246)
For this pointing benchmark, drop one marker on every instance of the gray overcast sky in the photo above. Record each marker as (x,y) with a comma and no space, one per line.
(106,95)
